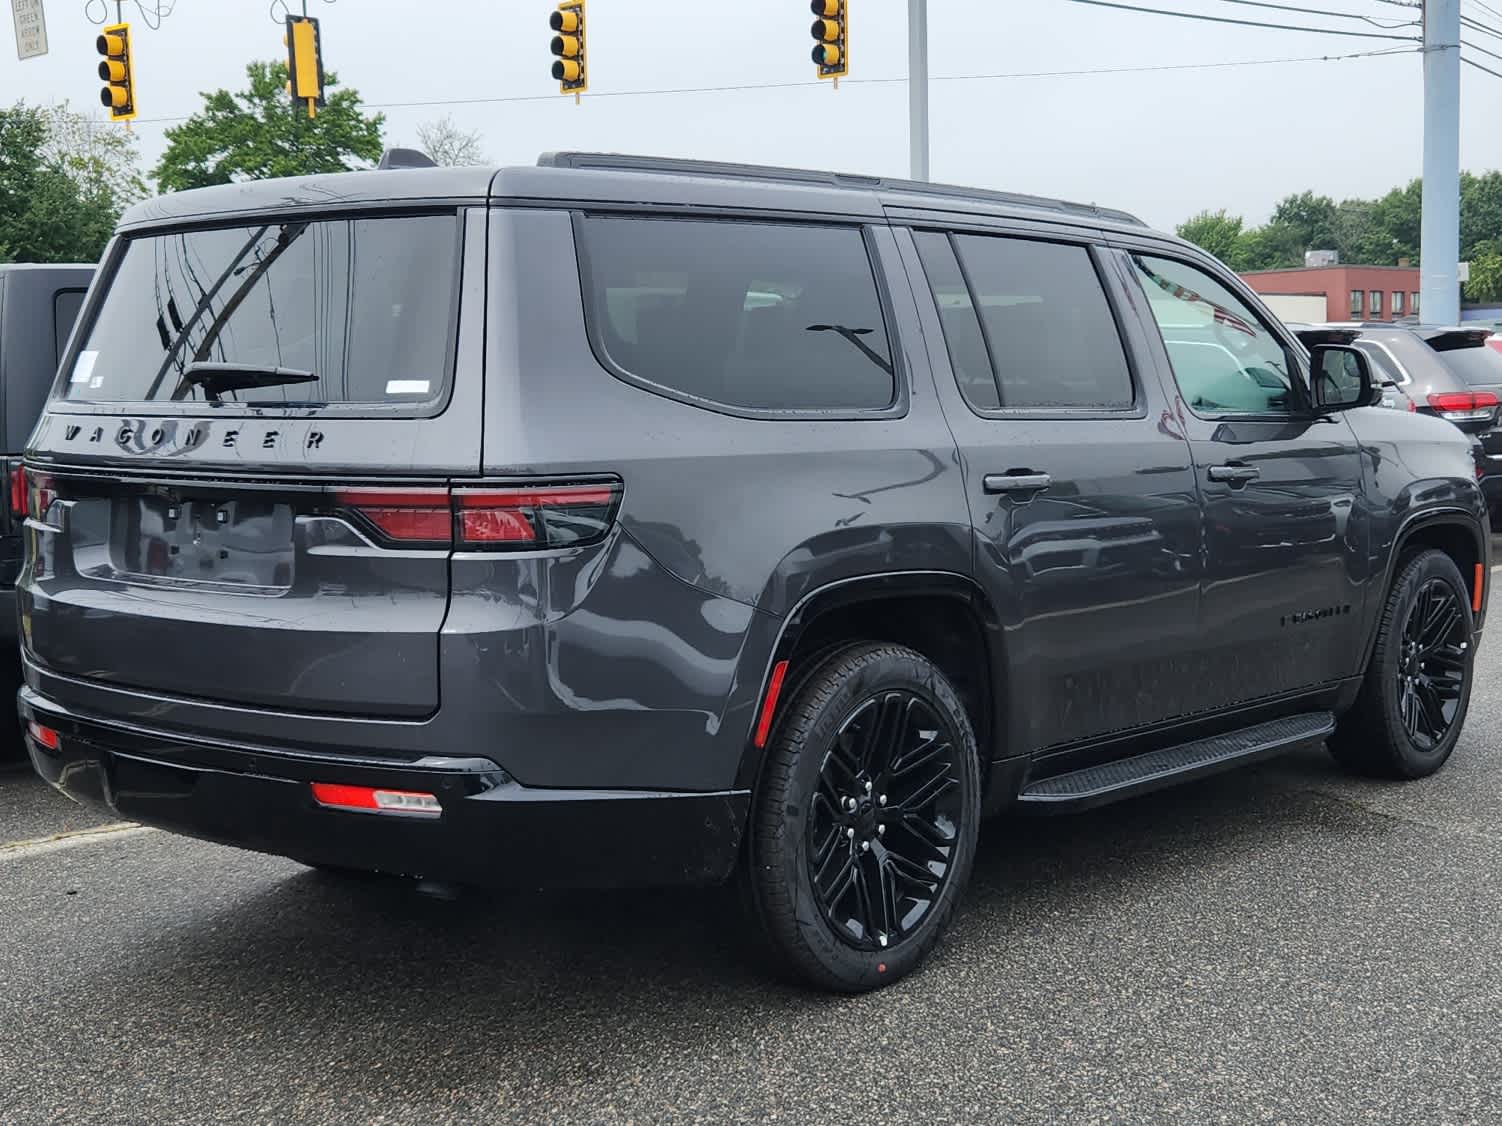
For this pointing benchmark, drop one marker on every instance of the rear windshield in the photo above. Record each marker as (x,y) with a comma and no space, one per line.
(1479,367)
(353,311)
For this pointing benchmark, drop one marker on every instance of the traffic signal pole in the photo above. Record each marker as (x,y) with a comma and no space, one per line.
(1439,250)
(917,87)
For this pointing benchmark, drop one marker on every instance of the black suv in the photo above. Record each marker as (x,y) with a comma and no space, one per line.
(622,521)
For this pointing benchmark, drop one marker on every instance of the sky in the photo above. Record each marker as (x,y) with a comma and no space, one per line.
(1163,144)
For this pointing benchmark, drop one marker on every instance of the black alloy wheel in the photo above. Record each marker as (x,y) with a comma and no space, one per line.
(1412,705)
(864,821)
(884,822)
(1431,672)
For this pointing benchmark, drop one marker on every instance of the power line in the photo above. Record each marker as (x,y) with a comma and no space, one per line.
(1487,8)
(1478,66)
(867,82)
(1479,26)
(1483,50)
(1245,23)
(1320,12)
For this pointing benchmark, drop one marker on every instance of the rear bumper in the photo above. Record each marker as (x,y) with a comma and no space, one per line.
(491,832)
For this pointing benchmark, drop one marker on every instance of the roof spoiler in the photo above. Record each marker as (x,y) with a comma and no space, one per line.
(406,158)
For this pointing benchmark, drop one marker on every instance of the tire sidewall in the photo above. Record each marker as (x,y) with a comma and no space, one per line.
(804,732)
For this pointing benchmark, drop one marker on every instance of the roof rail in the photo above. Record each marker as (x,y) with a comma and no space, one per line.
(672,166)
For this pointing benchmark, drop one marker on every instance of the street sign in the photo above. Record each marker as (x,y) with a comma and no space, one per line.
(31,28)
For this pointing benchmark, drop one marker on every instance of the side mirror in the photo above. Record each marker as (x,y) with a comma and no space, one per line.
(1341,378)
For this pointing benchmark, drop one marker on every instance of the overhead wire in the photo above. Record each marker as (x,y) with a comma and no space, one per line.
(1477,25)
(749,86)
(1374,21)
(1478,66)
(1243,23)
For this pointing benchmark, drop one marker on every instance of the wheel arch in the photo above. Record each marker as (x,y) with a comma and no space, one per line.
(1454,531)
(944,615)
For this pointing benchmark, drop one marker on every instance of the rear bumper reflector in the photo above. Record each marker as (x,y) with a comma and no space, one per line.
(46,736)
(1477,588)
(369,799)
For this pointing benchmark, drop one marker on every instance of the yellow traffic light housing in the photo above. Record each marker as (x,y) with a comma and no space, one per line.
(570,66)
(118,95)
(831,32)
(304,45)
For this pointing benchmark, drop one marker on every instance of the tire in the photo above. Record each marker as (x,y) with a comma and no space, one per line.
(1394,730)
(901,888)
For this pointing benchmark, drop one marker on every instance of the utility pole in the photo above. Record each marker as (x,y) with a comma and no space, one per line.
(1439,250)
(917,86)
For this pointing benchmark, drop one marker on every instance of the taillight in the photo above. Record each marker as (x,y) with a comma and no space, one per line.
(16,478)
(410,516)
(488,517)
(1464,406)
(535,516)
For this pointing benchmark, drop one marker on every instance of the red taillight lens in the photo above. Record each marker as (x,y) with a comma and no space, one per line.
(373,799)
(46,736)
(529,516)
(17,481)
(403,515)
(1461,406)
(536,516)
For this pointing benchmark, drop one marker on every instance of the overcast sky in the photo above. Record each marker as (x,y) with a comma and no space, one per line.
(1163,144)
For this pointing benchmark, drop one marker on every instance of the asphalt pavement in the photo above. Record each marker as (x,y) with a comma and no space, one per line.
(1281,944)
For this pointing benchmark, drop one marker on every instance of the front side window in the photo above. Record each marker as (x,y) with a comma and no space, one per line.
(749,315)
(1356,305)
(288,311)
(1376,302)
(1035,314)
(1224,359)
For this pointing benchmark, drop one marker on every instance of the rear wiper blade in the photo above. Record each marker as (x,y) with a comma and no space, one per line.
(218,378)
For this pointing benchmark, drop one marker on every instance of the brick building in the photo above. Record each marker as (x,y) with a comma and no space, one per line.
(1351,293)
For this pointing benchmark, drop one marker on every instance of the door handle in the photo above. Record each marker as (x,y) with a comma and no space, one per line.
(1235,474)
(1016,482)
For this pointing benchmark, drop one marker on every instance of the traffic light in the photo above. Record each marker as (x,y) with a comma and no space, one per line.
(304,62)
(831,38)
(118,95)
(569,65)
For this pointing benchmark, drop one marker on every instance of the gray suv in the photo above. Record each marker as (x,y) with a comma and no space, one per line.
(621,521)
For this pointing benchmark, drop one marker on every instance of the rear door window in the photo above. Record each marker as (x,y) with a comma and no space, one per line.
(364,306)
(1033,316)
(753,316)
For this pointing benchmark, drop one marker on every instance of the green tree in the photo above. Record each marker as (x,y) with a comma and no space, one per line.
(257,133)
(1396,220)
(1213,231)
(1274,246)
(1310,219)
(1480,211)
(1486,271)
(63,182)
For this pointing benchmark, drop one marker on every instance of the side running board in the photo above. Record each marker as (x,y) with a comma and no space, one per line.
(1111,781)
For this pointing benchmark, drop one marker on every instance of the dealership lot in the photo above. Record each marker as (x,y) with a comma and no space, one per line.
(1278,944)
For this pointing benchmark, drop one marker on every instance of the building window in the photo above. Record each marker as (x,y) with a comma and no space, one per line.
(1413,304)
(1376,309)
(1356,304)
(1397,303)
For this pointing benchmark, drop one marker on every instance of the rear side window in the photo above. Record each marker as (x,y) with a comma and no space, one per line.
(754,316)
(1044,326)
(65,306)
(363,306)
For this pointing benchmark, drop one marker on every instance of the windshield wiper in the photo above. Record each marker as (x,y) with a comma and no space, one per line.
(218,378)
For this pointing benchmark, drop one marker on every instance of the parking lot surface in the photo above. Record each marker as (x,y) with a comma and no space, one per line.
(1281,944)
